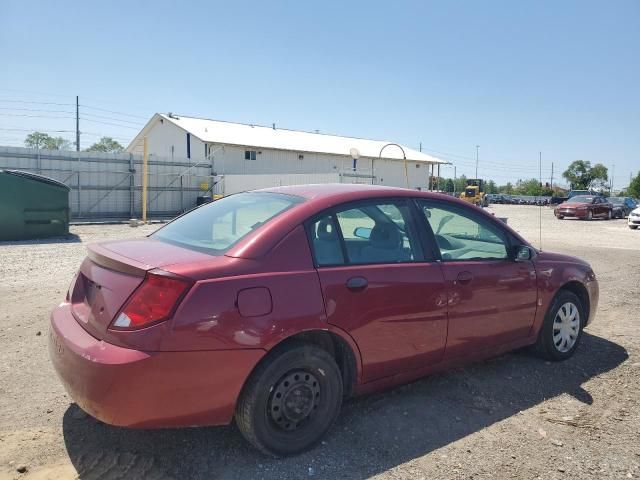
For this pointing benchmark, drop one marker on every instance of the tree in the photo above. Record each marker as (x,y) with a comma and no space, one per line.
(529,187)
(582,176)
(106,145)
(491,187)
(634,187)
(449,186)
(46,141)
(461,183)
(507,189)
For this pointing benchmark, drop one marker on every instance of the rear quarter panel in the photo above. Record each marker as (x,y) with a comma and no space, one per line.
(209,317)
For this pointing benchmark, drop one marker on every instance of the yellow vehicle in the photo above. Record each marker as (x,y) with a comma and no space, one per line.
(474,193)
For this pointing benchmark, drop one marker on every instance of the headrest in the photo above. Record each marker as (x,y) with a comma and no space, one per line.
(326,230)
(385,235)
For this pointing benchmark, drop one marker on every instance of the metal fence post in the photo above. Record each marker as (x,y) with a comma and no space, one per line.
(181,195)
(132,187)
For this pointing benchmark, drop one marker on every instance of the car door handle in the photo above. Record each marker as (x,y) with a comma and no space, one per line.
(464,278)
(357,284)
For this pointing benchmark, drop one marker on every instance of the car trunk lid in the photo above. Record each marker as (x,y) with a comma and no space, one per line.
(111,273)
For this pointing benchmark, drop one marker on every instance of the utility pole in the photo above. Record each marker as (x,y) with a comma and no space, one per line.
(455,180)
(420,146)
(613,171)
(551,175)
(477,156)
(77,124)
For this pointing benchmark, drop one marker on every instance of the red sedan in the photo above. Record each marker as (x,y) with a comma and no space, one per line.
(269,307)
(585,207)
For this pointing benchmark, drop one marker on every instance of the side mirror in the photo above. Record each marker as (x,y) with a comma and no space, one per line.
(524,253)
(362,232)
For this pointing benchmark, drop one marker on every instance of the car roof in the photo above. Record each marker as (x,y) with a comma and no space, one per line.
(332,190)
(320,197)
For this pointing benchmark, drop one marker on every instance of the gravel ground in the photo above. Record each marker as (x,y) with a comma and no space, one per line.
(510,417)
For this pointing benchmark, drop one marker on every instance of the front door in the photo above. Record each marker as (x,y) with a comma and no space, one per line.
(379,287)
(492,298)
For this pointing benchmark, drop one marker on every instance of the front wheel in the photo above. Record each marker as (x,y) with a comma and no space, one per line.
(291,400)
(562,328)
(589,216)
(609,215)
(633,227)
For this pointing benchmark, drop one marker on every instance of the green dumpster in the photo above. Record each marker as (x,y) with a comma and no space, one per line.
(32,206)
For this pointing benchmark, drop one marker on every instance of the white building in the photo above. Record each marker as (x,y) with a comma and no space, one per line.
(256,156)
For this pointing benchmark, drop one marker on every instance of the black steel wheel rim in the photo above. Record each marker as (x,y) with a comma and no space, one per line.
(294,399)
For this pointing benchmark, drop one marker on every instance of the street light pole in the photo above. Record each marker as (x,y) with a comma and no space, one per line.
(477,156)
(404,157)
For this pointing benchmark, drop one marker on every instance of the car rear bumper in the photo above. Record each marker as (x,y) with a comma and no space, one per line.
(132,388)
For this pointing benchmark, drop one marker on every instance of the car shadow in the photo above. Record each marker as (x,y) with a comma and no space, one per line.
(373,433)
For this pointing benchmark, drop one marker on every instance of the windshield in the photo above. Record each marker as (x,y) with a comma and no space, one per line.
(214,228)
(582,199)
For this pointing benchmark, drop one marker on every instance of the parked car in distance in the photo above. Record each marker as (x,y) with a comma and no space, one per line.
(634,219)
(585,207)
(267,308)
(622,206)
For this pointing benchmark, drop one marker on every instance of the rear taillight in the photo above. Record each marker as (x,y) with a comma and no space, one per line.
(153,301)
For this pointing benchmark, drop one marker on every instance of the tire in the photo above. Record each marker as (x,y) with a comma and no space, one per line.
(560,217)
(589,216)
(633,227)
(609,215)
(273,425)
(547,345)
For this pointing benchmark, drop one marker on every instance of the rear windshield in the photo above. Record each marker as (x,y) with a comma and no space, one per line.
(214,228)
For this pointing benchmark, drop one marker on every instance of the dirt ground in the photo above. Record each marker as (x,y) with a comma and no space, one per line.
(510,417)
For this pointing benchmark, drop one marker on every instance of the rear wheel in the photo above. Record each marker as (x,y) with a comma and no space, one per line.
(589,215)
(562,329)
(560,217)
(290,400)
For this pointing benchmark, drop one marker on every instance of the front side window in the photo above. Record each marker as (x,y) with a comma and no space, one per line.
(379,233)
(326,243)
(462,235)
(217,226)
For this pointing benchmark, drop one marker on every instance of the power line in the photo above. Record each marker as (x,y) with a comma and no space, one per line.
(111,118)
(31,116)
(35,130)
(107,123)
(114,112)
(34,110)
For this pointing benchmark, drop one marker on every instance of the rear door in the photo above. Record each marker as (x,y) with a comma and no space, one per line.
(379,286)
(491,297)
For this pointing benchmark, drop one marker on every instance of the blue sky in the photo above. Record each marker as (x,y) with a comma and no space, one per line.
(515,77)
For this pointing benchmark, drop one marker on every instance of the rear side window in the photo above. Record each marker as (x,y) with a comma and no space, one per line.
(216,227)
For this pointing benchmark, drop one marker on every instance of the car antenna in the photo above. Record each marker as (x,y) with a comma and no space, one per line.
(540,199)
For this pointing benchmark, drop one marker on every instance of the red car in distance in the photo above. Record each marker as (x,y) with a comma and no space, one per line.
(269,307)
(585,207)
